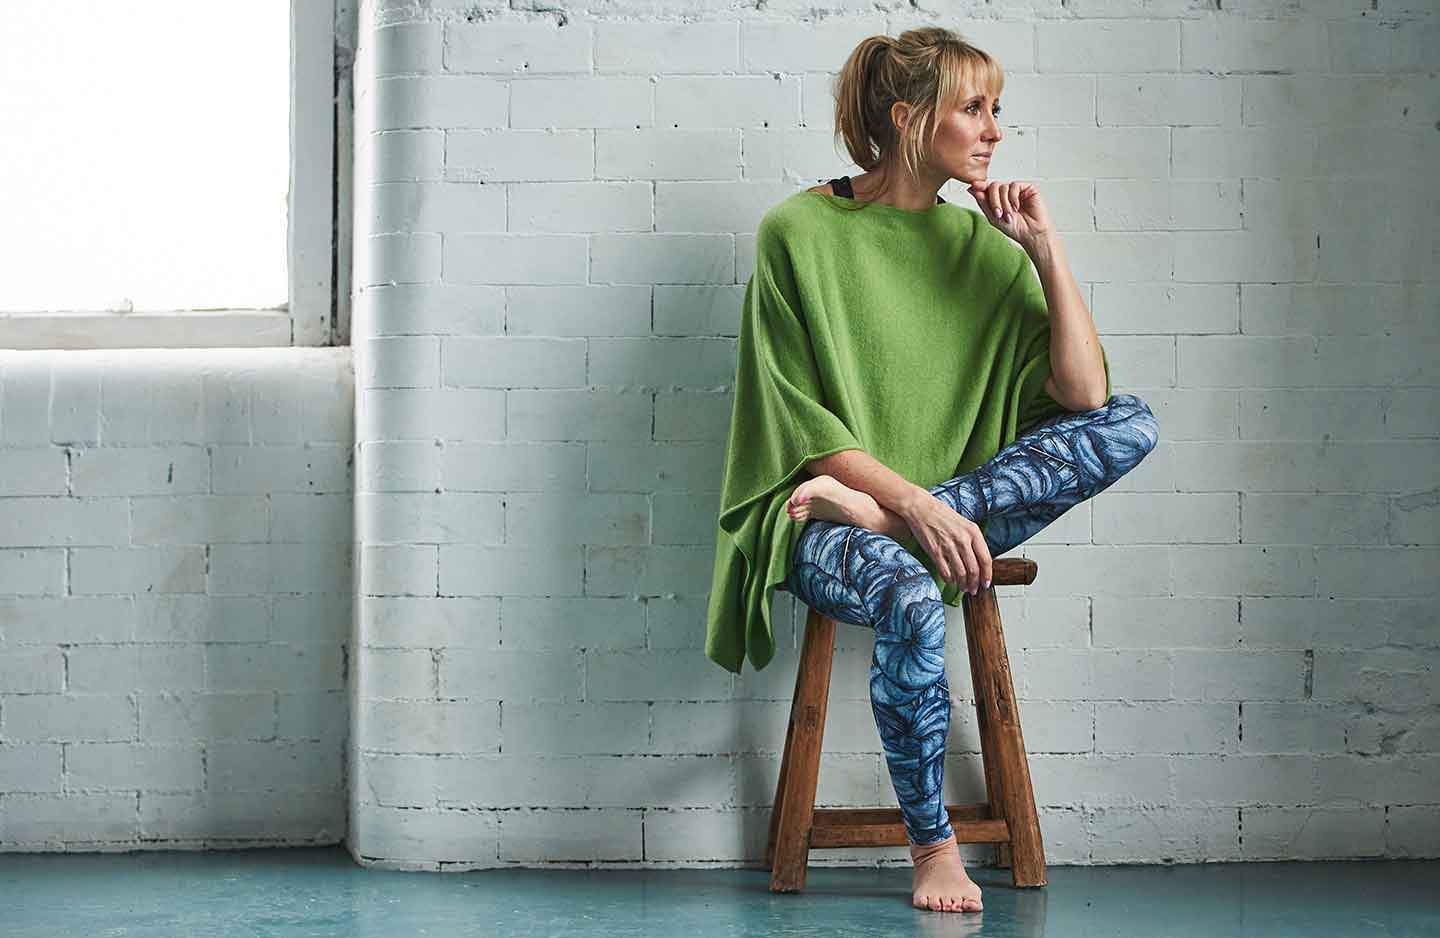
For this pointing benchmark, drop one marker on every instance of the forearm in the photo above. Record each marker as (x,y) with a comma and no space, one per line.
(1075,360)
(859,470)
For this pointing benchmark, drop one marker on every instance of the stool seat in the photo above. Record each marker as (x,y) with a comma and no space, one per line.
(1007,818)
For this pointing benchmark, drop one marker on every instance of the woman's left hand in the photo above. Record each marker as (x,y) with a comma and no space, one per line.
(1013,207)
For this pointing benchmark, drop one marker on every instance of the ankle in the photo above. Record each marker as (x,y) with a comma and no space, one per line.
(920,854)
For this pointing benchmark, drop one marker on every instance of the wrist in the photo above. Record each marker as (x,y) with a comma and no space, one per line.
(907,508)
(1043,248)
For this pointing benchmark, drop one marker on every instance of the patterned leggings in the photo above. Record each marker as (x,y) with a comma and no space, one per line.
(856,575)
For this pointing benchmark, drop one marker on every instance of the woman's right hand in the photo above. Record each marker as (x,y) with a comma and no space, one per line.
(953,541)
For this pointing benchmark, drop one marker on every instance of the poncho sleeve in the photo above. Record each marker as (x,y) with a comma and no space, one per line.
(1025,299)
(779,422)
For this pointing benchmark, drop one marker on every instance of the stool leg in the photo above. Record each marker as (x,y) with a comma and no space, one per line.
(986,730)
(800,766)
(779,807)
(1002,742)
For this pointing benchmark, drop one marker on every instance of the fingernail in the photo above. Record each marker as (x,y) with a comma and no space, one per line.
(987,584)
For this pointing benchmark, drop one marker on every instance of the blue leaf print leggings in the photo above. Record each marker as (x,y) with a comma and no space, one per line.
(856,575)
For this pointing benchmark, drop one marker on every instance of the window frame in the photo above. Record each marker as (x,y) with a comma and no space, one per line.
(317,236)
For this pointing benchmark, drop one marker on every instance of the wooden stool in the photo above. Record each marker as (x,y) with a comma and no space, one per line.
(1007,819)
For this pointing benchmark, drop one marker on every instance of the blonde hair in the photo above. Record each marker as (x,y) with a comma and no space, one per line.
(931,69)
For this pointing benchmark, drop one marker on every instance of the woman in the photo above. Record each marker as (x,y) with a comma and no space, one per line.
(948,403)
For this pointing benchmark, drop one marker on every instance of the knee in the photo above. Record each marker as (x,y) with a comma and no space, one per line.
(921,580)
(917,591)
(1138,414)
(911,595)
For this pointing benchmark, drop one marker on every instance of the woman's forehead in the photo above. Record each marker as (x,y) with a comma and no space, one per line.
(971,85)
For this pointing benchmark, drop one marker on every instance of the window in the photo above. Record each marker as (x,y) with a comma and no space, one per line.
(169,175)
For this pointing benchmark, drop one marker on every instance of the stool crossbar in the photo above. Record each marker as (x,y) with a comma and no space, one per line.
(1007,818)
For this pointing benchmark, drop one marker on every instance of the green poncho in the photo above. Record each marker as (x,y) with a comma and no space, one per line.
(921,337)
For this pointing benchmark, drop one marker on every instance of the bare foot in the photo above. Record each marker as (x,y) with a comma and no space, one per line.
(941,883)
(827,498)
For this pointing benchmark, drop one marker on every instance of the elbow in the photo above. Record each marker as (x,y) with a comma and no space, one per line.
(1091,397)
(1079,402)
(1076,397)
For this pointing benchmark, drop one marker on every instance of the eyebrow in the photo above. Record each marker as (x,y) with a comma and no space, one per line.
(979,97)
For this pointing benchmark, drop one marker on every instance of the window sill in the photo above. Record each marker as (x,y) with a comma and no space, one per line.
(186,329)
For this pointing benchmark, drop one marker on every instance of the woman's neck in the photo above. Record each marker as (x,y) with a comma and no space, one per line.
(903,192)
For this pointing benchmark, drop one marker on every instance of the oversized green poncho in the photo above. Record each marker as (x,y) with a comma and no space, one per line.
(920,337)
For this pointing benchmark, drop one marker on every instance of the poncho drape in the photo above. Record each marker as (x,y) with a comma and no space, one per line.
(920,337)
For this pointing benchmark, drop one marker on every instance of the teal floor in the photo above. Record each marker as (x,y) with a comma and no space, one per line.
(322,892)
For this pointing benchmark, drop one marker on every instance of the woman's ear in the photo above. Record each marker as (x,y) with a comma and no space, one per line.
(900,114)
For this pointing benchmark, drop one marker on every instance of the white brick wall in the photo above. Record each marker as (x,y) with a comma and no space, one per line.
(175,597)
(1231,654)
(1228,655)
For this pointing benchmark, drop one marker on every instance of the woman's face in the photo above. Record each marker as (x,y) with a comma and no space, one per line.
(966,131)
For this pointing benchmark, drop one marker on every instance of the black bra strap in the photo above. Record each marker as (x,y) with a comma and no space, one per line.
(842,187)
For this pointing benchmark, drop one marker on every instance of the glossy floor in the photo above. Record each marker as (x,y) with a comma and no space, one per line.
(322,892)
